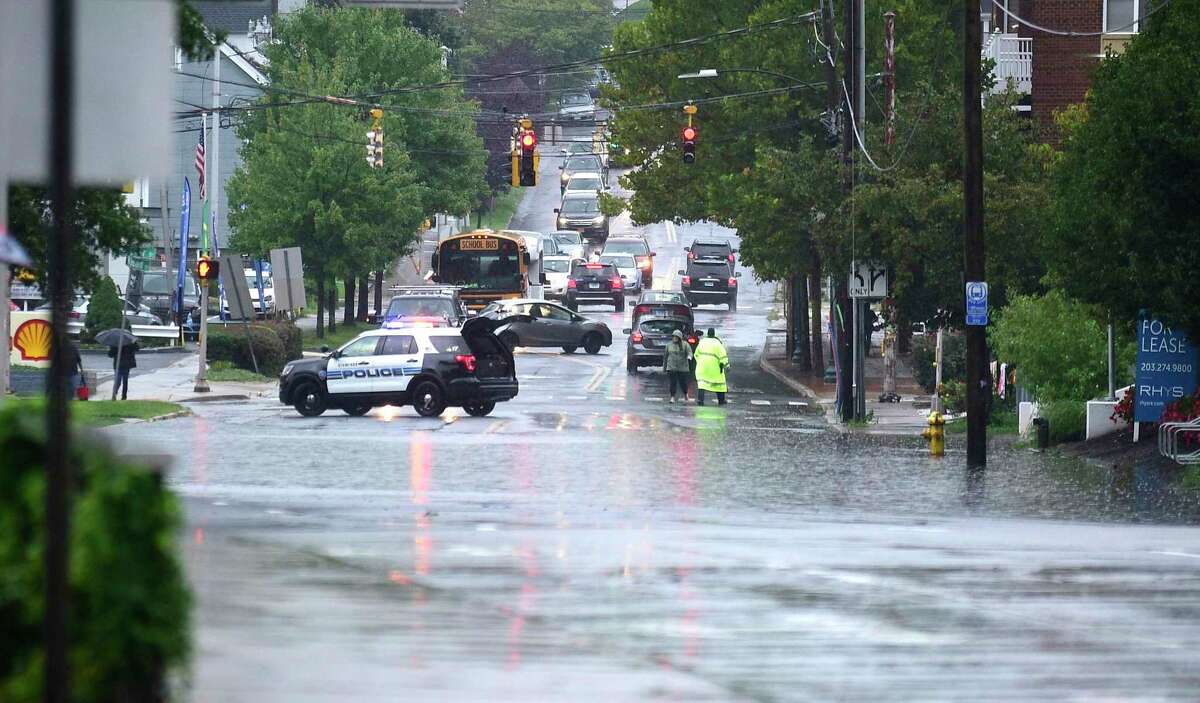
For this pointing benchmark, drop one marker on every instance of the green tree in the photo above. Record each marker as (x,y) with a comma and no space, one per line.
(104,308)
(1125,234)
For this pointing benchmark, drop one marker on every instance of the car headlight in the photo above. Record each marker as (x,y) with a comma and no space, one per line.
(564,177)
(287,369)
(562,222)
(598,220)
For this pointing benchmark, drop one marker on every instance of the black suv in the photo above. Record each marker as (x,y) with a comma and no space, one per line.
(156,290)
(594,283)
(710,282)
(711,250)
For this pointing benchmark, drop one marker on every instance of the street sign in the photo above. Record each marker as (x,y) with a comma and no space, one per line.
(977,303)
(237,291)
(1166,369)
(868,280)
(287,277)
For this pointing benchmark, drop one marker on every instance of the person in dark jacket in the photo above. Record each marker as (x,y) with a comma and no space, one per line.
(122,366)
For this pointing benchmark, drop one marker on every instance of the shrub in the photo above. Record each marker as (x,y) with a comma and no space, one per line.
(230,345)
(129,602)
(954,360)
(954,396)
(291,336)
(1059,347)
(104,309)
(1067,418)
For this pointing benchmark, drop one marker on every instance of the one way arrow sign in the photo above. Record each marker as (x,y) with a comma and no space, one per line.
(868,279)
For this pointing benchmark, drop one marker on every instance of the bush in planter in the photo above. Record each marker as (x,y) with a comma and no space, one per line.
(230,345)
(129,602)
(954,360)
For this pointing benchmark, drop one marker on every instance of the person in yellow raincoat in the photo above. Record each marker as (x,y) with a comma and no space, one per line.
(711,362)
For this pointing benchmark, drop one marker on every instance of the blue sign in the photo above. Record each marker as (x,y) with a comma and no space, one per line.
(185,212)
(977,307)
(1166,369)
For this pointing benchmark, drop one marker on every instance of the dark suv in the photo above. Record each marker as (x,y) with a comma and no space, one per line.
(710,283)
(581,212)
(156,290)
(711,250)
(431,306)
(594,284)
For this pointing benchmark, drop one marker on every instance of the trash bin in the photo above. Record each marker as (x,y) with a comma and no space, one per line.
(1041,430)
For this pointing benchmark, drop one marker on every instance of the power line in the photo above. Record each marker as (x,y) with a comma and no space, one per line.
(1068,33)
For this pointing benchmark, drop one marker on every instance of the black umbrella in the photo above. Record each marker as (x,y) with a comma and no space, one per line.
(116,337)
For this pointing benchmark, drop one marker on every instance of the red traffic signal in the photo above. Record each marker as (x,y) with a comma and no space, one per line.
(528,140)
(689,133)
(206,268)
(689,144)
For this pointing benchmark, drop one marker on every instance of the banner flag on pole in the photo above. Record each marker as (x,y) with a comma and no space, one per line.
(185,211)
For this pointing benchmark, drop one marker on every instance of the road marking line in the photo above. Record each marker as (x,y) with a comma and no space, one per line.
(672,234)
(760,402)
(653,400)
(797,404)
(577,397)
(1180,554)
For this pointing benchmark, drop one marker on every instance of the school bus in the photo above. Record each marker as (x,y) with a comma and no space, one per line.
(484,265)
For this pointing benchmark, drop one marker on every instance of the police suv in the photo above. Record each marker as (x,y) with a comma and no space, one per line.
(430,368)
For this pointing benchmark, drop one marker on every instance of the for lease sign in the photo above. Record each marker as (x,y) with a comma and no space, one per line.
(1166,369)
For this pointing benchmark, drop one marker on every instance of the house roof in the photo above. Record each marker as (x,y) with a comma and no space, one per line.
(232,16)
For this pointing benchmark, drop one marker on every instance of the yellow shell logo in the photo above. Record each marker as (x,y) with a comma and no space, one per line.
(33,340)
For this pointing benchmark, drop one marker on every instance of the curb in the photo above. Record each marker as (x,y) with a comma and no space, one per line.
(168,416)
(211,398)
(766,365)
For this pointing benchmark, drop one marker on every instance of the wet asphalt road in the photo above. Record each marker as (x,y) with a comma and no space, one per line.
(589,542)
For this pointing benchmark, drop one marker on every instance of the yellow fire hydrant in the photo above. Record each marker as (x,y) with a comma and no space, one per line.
(935,434)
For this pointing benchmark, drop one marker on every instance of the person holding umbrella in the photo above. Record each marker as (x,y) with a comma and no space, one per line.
(122,350)
(711,362)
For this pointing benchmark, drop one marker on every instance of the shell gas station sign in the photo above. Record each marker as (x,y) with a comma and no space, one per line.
(31,335)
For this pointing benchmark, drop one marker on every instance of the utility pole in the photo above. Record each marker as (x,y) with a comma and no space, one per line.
(201,385)
(214,193)
(973,242)
(889,77)
(861,335)
(56,672)
(841,307)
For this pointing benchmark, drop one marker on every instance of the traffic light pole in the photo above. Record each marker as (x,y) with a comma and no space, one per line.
(201,372)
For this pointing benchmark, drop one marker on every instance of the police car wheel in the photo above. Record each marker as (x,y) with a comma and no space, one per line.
(592,343)
(428,399)
(309,400)
(480,409)
(569,349)
(357,410)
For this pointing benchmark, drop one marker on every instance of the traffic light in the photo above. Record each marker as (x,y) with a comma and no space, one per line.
(375,148)
(207,269)
(689,144)
(529,159)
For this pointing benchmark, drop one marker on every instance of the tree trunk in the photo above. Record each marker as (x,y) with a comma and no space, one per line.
(332,305)
(348,314)
(379,292)
(363,292)
(814,298)
(320,306)
(789,347)
(803,356)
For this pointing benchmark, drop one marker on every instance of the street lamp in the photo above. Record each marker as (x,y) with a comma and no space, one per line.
(714,73)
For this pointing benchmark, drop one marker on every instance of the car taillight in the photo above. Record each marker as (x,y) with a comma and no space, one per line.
(693,341)
(570,283)
(616,282)
(731,258)
(687,280)
(732,281)
(636,338)
(467,361)
(73,315)
(691,255)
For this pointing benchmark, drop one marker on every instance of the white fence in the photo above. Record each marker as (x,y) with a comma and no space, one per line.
(1014,61)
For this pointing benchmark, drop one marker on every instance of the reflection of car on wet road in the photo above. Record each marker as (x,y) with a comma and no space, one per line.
(426,367)
(710,283)
(594,283)
(537,323)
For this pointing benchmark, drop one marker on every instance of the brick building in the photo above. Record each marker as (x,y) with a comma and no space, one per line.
(1054,70)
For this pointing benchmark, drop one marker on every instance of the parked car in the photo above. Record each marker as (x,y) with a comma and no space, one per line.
(570,243)
(594,283)
(710,283)
(581,212)
(640,249)
(538,323)
(578,147)
(424,306)
(627,268)
(581,163)
(576,106)
(156,290)
(556,269)
(425,367)
(134,314)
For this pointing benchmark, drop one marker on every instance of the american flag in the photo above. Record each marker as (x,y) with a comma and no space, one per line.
(200,164)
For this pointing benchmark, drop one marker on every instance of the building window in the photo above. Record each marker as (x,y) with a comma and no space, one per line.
(1121,16)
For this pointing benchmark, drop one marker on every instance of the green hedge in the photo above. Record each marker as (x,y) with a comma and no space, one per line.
(104,309)
(230,345)
(954,360)
(129,602)
(291,336)
(1067,418)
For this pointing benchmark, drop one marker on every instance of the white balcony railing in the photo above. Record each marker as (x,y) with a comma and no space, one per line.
(1014,61)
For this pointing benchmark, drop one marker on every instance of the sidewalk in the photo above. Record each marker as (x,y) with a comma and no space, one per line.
(176,384)
(890,419)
